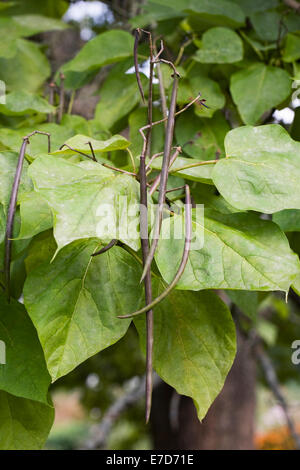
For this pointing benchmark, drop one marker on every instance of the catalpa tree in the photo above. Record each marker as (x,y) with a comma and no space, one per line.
(180,180)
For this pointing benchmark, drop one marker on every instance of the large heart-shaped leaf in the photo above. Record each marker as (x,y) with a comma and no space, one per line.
(235,251)
(88,200)
(36,215)
(262,170)
(74,302)
(194,344)
(24,372)
(257,89)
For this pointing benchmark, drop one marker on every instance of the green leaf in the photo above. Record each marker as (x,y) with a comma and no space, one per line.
(198,80)
(87,200)
(74,302)
(258,89)
(205,13)
(220,46)
(200,173)
(80,143)
(235,251)
(262,170)
(38,143)
(22,102)
(36,215)
(27,70)
(106,48)
(194,344)
(288,220)
(291,51)
(266,24)
(201,138)
(8,164)
(27,25)
(24,373)
(246,301)
(24,424)
(252,6)
(118,97)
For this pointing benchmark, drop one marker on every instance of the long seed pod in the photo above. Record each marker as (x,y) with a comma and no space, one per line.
(11,215)
(12,206)
(163,175)
(184,259)
(61,105)
(107,247)
(136,63)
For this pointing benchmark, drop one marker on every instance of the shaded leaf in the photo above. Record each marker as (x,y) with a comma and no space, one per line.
(80,142)
(24,424)
(197,352)
(22,102)
(257,89)
(25,373)
(200,173)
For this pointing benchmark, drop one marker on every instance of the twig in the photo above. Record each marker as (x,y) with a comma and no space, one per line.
(164,175)
(71,102)
(61,97)
(12,207)
(107,247)
(127,400)
(272,380)
(181,51)
(51,99)
(125,172)
(184,259)
(92,150)
(74,150)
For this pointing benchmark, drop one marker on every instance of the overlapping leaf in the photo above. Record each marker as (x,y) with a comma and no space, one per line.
(254,93)
(220,46)
(194,344)
(87,200)
(74,302)
(22,102)
(25,373)
(262,170)
(235,251)
(24,424)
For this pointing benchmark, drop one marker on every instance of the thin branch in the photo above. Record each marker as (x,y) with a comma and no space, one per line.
(71,102)
(51,99)
(92,150)
(137,34)
(107,247)
(164,175)
(42,133)
(76,151)
(272,380)
(181,51)
(61,106)
(125,172)
(184,259)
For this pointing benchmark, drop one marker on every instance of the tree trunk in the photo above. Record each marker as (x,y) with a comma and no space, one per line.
(229,423)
